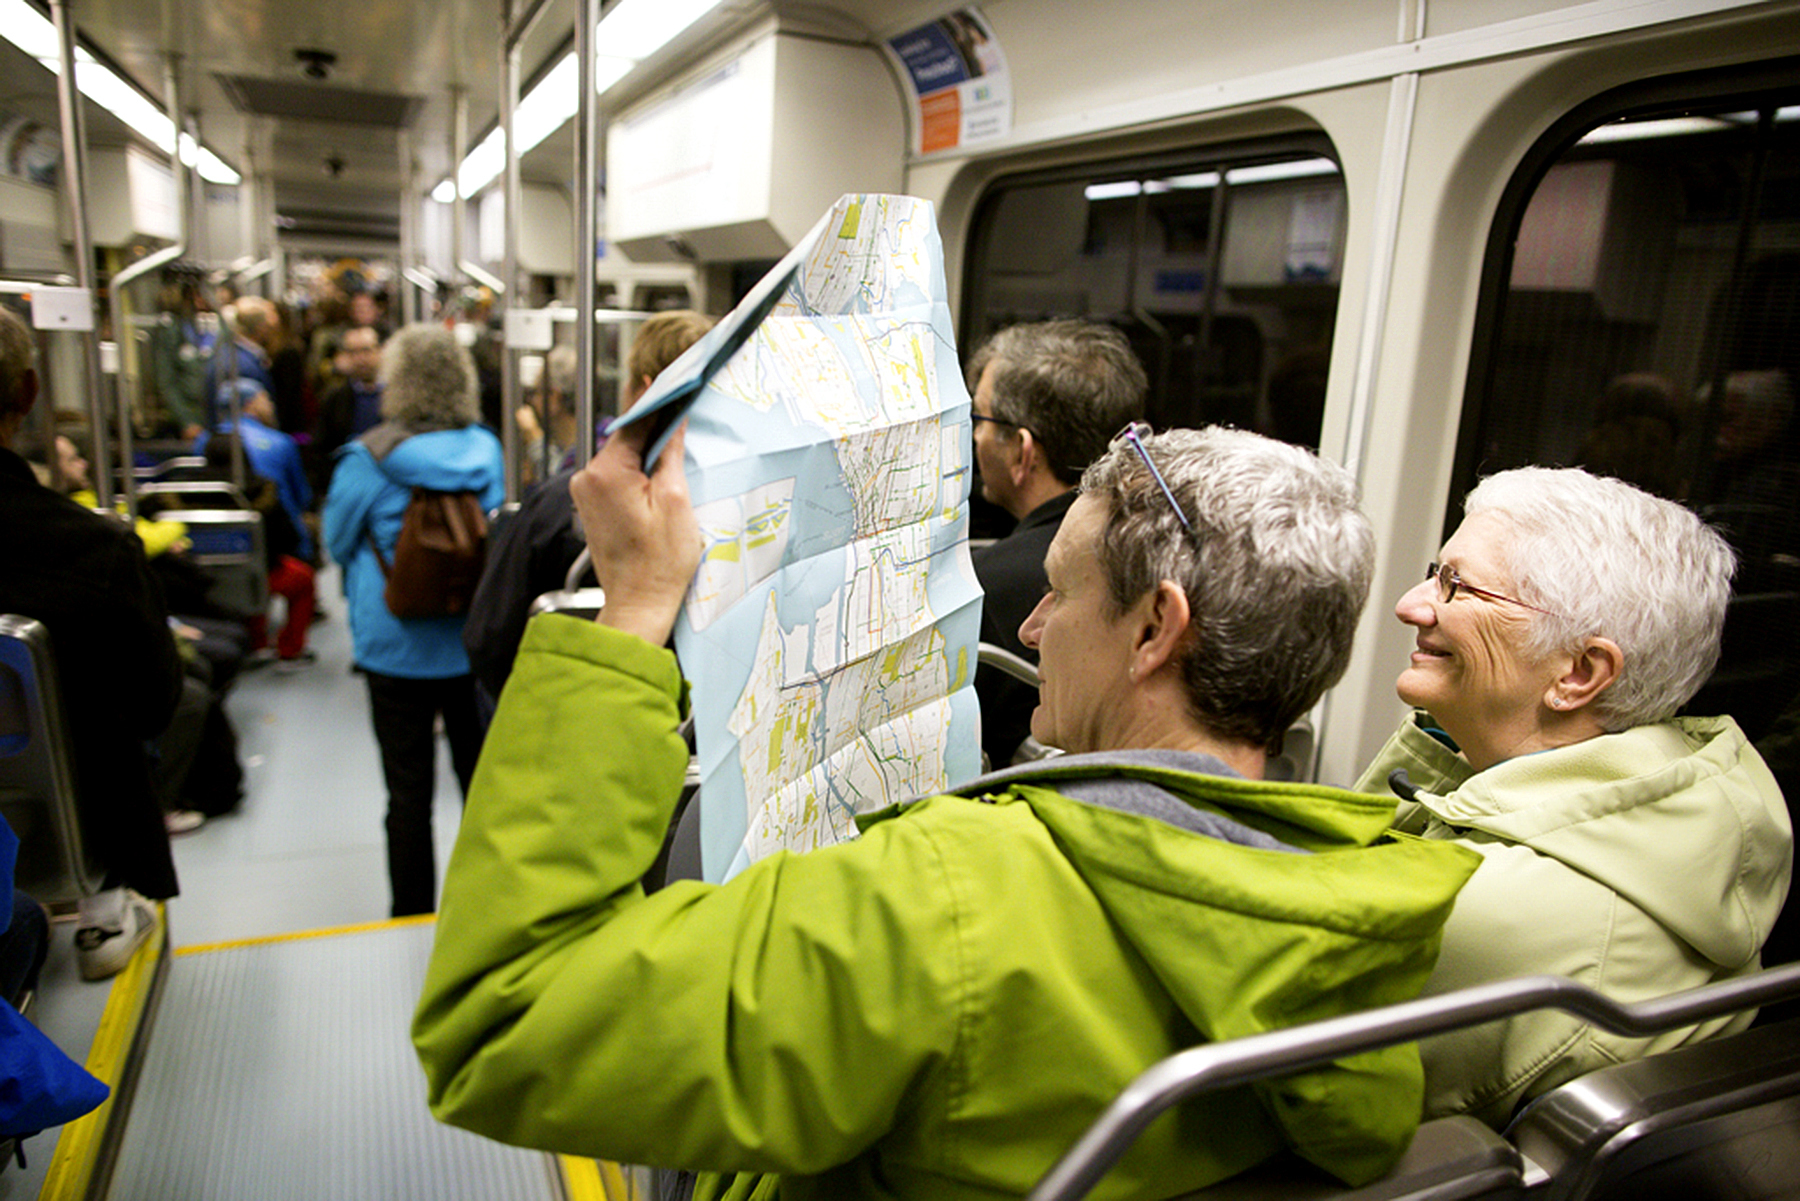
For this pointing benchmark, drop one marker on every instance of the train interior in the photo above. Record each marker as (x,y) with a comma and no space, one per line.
(1557,234)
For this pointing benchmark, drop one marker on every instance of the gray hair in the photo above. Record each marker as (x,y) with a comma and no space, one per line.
(17,350)
(1276,569)
(429,379)
(1603,558)
(1073,384)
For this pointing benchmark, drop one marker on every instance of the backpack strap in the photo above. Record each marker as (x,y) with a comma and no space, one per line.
(369,530)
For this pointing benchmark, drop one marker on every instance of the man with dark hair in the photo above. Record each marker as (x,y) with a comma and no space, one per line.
(1047,399)
(85,578)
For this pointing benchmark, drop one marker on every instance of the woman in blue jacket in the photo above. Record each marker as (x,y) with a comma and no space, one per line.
(416,668)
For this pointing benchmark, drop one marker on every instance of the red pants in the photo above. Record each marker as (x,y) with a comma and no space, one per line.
(294,580)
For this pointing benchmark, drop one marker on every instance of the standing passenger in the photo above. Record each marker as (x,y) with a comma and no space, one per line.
(1047,397)
(416,668)
(532,552)
(941,1007)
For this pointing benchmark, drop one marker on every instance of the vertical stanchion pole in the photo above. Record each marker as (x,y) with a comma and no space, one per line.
(409,216)
(74,172)
(586,141)
(509,358)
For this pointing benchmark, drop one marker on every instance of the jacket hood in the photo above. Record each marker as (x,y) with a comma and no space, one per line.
(1248,937)
(447,460)
(1605,806)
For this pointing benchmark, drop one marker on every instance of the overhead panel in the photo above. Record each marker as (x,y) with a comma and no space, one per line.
(739,160)
(319,102)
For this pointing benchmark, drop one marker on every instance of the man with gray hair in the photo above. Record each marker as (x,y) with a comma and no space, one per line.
(86,579)
(1047,398)
(941,1006)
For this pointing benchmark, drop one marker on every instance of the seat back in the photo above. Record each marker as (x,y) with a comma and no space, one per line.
(229,544)
(197,494)
(1718,1119)
(37,783)
(1450,1159)
(1754,1079)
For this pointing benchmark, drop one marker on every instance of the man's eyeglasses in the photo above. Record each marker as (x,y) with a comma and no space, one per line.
(1134,434)
(974,416)
(1449,583)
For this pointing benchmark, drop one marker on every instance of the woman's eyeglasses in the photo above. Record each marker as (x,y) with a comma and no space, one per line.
(1134,434)
(1449,584)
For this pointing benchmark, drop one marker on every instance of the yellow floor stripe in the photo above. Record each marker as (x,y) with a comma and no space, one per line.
(394,923)
(596,1180)
(72,1167)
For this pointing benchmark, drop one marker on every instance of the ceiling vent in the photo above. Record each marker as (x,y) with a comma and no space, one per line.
(319,102)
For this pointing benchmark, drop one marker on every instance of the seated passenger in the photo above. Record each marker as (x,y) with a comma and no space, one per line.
(1624,848)
(1045,399)
(941,1007)
(85,578)
(271,454)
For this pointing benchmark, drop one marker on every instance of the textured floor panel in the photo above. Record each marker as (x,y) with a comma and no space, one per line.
(283,1070)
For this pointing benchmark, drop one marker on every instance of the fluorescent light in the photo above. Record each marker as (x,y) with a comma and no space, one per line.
(28,29)
(544,109)
(1294,169)
(1205,179)
(1113,191)
(636,29)
(630,33)
(1626,131)
(32,32)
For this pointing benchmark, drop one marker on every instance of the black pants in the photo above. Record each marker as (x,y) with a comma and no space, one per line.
(405,712)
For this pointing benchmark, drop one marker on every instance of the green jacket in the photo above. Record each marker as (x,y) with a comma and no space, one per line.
(1639,864)
(937,1009)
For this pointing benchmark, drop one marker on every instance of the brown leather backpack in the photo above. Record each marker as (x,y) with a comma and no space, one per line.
(438,557)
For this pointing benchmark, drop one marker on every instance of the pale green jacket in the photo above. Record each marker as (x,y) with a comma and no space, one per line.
(1639,864)
(937,1009)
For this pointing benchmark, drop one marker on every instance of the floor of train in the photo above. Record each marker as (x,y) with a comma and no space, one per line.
(305,849)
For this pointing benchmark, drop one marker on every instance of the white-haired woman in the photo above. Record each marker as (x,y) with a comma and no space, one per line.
(1631,850)
(416,668)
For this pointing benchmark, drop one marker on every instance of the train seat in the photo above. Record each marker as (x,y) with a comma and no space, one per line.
(1450,1159)
(37,785)
(1719,1119)
(229,544)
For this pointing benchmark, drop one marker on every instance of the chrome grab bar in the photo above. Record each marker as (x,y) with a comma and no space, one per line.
(1278,1052)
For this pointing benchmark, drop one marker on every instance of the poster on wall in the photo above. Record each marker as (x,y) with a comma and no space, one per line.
(961,93)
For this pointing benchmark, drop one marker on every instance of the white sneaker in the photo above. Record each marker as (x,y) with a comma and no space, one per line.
(104,950)
(183,821)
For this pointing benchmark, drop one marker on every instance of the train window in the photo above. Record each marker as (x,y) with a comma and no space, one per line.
(1640,317)
(1221,265)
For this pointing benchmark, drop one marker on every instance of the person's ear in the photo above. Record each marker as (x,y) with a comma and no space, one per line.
(1591,671)
(1024,460)
(1162,619)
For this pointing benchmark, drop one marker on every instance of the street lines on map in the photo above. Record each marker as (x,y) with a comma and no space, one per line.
(817,749)
(850,271)
(808,367)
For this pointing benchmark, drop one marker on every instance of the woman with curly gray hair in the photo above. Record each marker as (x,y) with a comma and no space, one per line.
(416,668)
(1640,853)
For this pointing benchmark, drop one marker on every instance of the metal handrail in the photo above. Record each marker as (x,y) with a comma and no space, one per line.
(998,657)
(1279,1052)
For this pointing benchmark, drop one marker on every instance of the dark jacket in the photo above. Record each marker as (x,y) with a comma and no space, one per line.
(529,554)
(85,578)
(1011,572)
